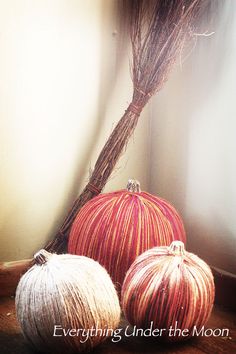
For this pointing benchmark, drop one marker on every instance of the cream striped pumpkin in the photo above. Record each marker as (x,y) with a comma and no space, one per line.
(61,299)
(114,228)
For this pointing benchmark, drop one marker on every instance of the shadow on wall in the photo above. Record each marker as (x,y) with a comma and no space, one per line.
(113,43)
(217,247)
(191,154)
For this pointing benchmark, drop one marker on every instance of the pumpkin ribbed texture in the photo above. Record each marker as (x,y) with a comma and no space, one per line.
(114,228)
(73,292)
(169,287)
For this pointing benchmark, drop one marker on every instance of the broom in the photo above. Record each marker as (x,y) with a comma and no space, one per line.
(158,31)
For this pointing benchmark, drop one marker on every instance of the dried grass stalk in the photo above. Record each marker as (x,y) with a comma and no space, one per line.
(158,30)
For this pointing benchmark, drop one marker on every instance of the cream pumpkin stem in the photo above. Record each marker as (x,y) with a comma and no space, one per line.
(177,248)
(133,186)
(42,256)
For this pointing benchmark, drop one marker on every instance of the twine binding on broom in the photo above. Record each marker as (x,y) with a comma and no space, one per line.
(134,109)
(92,188)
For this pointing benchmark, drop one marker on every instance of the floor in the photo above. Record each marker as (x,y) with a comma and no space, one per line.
(12,341)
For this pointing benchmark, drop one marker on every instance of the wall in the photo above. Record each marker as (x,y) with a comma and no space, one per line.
(62,89)
(193,142)
(64,84)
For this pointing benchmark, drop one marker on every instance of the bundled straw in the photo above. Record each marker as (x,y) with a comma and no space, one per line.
(158,30)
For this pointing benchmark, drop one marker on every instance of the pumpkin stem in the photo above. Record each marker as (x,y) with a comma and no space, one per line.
(41,257)
(177,248)
(133,186)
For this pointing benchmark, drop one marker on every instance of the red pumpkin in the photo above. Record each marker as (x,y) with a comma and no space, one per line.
(114,228)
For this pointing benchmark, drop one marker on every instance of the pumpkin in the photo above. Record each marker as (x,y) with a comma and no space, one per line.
(114,228)
(169,289)
(61,301)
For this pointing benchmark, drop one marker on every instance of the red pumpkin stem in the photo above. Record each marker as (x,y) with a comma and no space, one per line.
(133,186)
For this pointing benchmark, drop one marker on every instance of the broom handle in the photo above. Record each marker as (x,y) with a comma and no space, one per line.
(10,273)
(103,168)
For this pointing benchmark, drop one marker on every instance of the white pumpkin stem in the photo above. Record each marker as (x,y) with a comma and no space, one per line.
(133,186)
(177,248)
(42,256)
